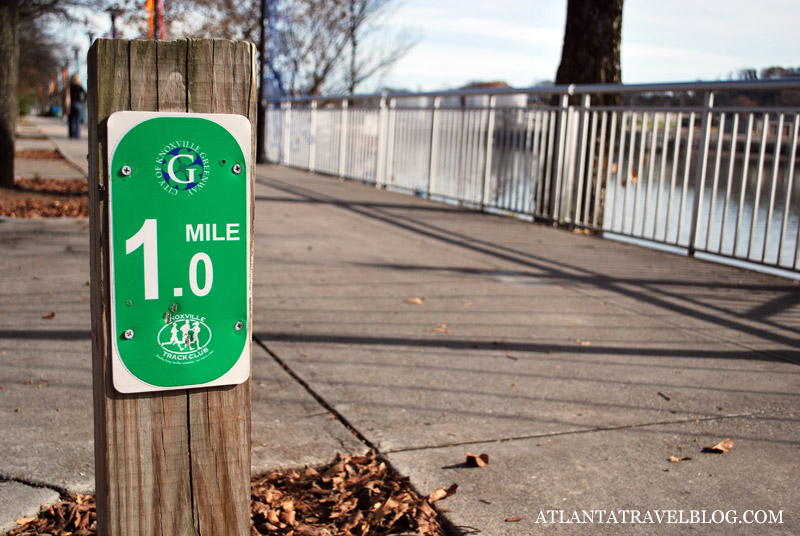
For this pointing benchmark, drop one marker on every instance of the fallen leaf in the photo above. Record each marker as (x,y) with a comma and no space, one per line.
(584,343)
(466,304)
(514,519)
(441,493)
(49,315)
(442,328)
(481,460)
(414,301)
(675,459)
(25,520)
(308,530)
(723,447)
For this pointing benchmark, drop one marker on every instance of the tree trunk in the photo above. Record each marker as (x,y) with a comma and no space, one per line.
(353,27)
(591,55)
(591,51)
(9,67)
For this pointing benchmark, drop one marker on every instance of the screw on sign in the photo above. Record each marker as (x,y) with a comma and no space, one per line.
(180,250)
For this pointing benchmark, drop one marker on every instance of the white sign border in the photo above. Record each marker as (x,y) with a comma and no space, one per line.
(117,127)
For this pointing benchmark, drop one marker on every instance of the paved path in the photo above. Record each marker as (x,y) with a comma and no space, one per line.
(579,365)
(47,132)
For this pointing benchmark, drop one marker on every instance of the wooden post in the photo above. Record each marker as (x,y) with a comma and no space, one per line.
(171,462)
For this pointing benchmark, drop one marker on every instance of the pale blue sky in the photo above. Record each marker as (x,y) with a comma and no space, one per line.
(520,42)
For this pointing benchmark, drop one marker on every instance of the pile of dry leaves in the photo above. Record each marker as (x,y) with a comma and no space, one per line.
(353,496)
(74,516)
(46,198)
(38,154)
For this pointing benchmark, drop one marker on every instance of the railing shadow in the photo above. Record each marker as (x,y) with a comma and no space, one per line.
(657,288)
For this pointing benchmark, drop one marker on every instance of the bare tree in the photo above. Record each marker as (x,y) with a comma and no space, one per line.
(13,13)
(364,19)
(9,66)
(315,45)
(43,56)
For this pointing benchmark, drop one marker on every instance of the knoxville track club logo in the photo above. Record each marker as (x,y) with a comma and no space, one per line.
(185,339)
(182,166)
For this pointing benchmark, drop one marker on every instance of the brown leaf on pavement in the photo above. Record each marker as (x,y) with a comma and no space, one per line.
(414,301)
(442,493)
(442,328)
(475,460)
(514,519)
(35,198)
(675,459)
(723,447)
(49,315)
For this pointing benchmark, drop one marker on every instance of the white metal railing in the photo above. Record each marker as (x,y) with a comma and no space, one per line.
(719,179)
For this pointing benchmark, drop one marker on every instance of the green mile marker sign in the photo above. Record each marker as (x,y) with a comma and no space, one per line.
(179,212)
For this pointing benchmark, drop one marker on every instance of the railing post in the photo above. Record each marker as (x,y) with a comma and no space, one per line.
(487,169)
(702,165)
(434,146)
(286,136)
(583,129)
(380,157)
(561,154)
(388,175)
(343,138)
(312,145)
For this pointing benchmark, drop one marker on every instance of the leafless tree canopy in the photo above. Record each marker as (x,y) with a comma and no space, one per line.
(315,46)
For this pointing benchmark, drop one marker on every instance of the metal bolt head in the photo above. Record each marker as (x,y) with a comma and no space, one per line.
(126,170)
(128,334)
(239,326)
(237,169)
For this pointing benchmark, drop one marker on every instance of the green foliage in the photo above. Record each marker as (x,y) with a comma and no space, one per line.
(26,102)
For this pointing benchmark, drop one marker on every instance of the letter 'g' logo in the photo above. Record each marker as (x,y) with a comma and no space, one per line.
(182,166)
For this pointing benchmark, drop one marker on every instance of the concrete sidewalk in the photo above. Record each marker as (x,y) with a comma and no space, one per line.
(51,133)
(578,365)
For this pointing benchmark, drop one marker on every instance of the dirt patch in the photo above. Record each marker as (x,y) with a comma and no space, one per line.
(46,198)
(39,154)
(353,496)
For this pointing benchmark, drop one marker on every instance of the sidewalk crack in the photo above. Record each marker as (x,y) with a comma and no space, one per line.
(316,396)
(573,432)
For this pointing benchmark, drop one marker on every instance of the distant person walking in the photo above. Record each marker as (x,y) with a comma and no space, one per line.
(77,97)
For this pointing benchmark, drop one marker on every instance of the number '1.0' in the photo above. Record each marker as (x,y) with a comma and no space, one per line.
(147,238)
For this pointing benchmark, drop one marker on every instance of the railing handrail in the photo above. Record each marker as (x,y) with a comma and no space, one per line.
(571,89)
(710,177)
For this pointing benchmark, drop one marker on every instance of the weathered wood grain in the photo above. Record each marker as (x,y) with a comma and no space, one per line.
(220,436)
(175,462)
